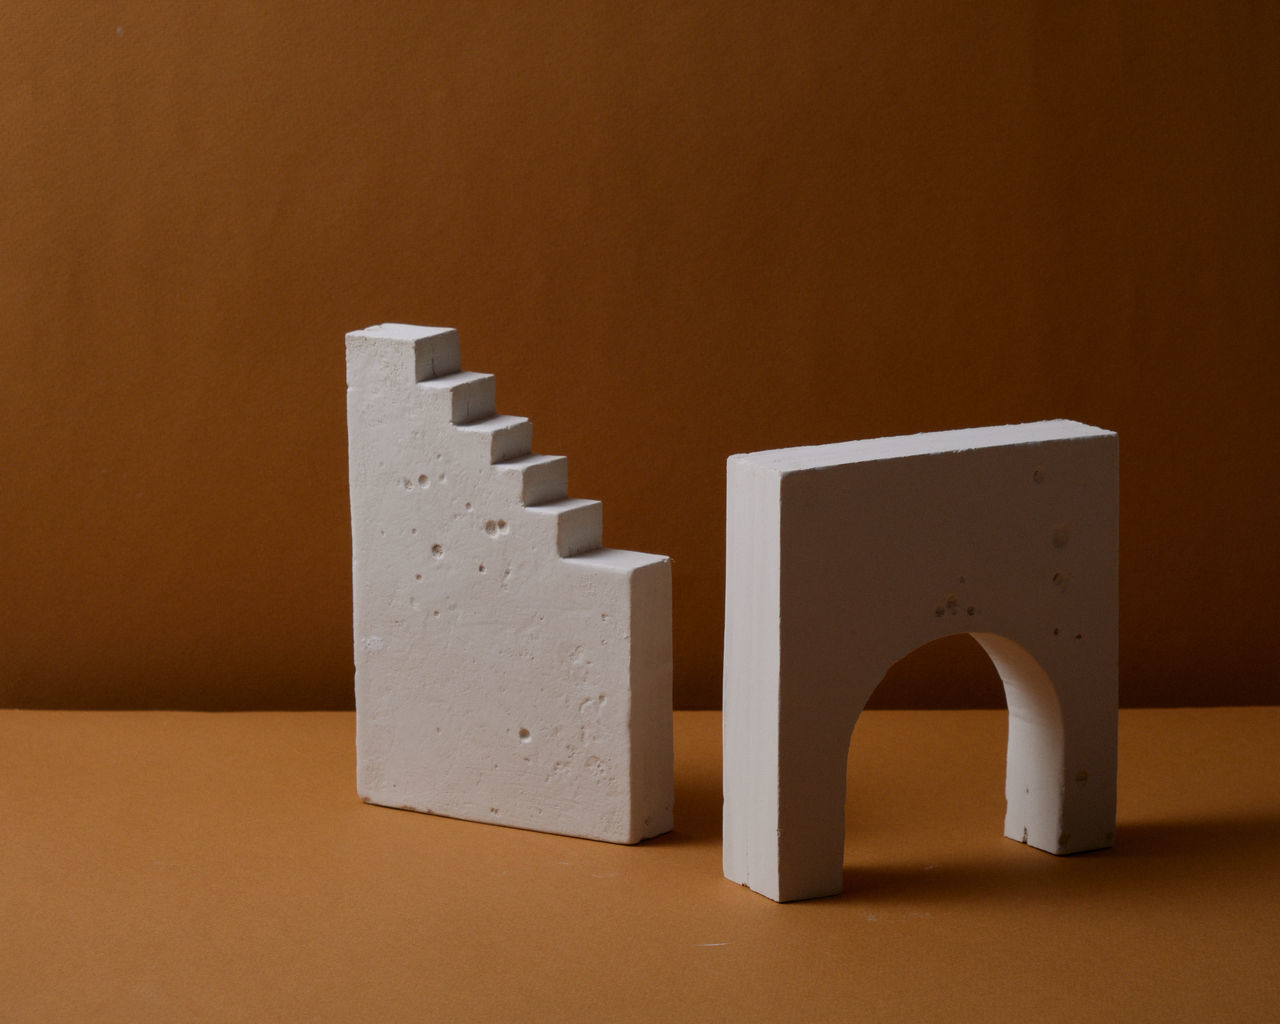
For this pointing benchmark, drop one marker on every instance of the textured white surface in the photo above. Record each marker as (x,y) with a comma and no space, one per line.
(508,668)
(842,559)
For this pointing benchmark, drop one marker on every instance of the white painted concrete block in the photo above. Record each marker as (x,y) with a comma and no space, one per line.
(508,668)
(844,558)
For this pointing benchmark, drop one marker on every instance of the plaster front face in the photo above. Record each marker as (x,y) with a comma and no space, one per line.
(842,559)
(509,669)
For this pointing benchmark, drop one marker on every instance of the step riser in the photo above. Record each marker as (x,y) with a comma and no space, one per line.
(511,440)
(535,482)
(467,397)
(474,400)
(573,526)
(437,356)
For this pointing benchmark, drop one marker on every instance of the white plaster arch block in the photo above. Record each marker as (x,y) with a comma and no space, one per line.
(509,669)
(842,559)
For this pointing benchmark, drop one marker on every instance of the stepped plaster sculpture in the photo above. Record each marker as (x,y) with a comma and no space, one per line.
(508,668)
(843,558)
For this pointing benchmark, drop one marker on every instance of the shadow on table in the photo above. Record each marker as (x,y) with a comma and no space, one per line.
(697,813)
(1148,856)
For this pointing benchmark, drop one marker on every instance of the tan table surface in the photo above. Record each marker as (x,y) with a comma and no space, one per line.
(193,867)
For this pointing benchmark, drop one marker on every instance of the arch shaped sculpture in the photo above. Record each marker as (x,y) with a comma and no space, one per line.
(842,559)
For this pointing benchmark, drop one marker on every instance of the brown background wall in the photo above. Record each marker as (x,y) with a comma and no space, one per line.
(673,231)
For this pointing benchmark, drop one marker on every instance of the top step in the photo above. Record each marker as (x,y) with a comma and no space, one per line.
(414,354)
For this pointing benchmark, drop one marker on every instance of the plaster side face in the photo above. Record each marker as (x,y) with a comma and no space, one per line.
(508,668)
(845,558)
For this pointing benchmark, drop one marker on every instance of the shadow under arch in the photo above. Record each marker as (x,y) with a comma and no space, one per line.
(1059,769)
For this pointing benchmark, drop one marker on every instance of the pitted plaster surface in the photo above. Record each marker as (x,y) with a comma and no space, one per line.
(842,559)
(509,669)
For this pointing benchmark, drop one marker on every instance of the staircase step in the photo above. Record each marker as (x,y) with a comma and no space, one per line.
(435,349)
(501,437)
(574,525)
(397,354)
(535,479)
(470,395)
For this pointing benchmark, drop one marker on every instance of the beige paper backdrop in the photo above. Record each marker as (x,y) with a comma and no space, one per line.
(674,232)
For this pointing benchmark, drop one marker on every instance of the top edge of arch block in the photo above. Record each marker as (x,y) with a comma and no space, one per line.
(940,442)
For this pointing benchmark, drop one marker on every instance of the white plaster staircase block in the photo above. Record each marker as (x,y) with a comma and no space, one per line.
(509,669)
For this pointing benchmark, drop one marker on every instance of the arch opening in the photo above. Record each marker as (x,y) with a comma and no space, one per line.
(1035,764)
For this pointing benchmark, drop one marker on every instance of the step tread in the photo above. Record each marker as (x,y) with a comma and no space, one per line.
(493,424)
(532,459)
(454,380)
(563,505)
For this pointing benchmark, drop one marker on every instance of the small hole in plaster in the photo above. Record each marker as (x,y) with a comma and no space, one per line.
(413,531)
(406,483)
(1038,475)
(1079,636)
(481,567)
(491,528)
(424,480)
(467,506)
(417,576)
(1056,631)
(442,478)
(435,614)
(437,551)
(524,736)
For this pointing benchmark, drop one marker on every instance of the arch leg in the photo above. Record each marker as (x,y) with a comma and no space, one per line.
(810,823)
(1060,774)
